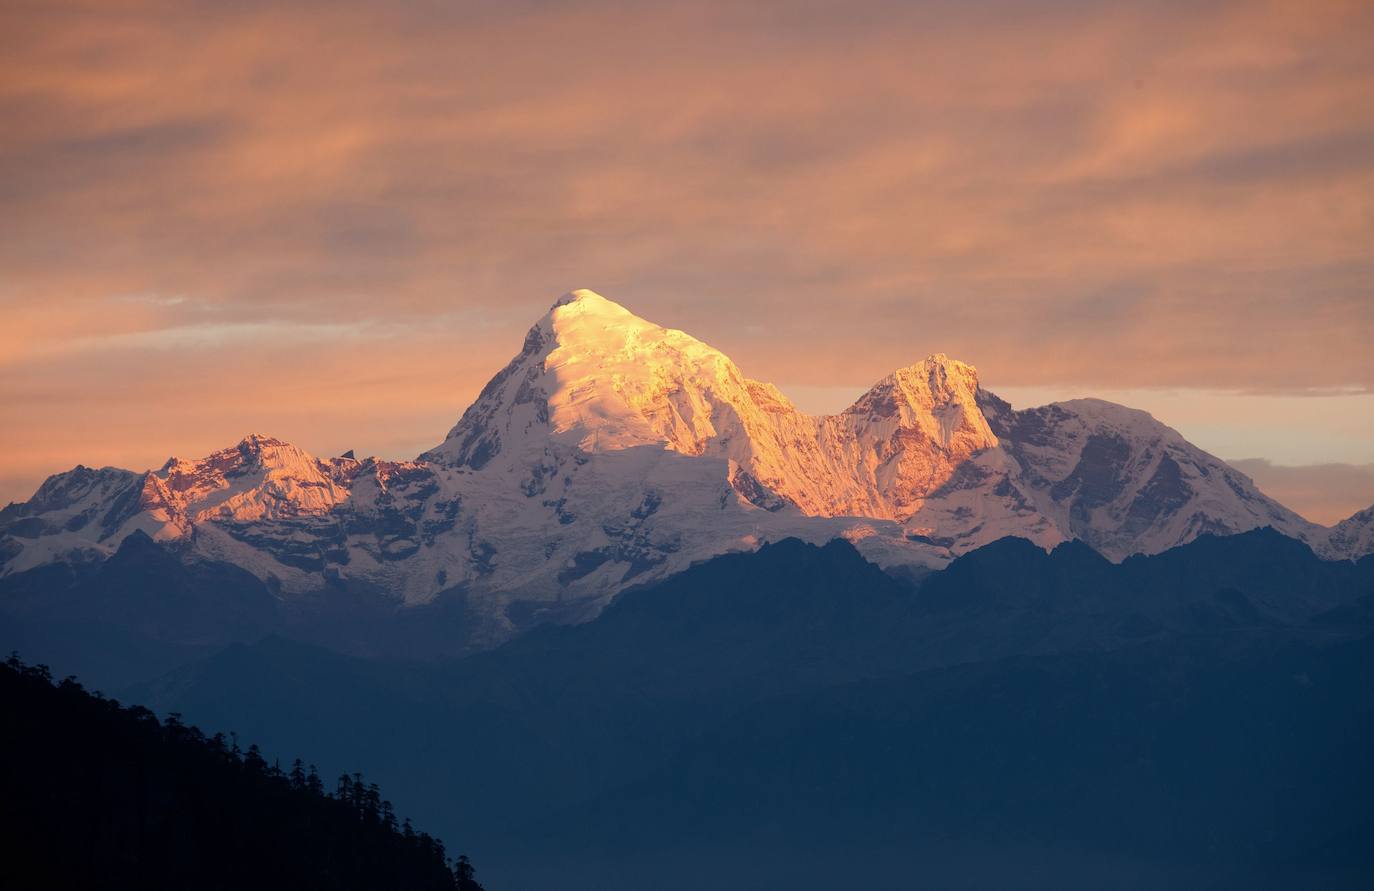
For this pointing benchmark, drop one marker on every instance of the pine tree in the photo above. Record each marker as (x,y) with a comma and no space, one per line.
(357,794)
(297,775)
(253,760)
(173,727)
(372,804)
(464,876)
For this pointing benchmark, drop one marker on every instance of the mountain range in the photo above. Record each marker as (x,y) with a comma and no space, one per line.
(612,452)
(637,621)
(794,716)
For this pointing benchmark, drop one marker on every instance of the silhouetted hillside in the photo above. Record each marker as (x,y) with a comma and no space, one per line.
(100,796)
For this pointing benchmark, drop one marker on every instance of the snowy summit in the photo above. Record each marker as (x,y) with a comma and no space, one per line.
(611,450)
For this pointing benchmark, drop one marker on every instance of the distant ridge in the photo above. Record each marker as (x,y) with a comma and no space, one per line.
(795,711)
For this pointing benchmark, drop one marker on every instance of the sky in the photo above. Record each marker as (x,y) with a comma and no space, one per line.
(332,222)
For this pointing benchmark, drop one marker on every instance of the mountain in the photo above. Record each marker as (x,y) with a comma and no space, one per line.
(594,379)
(611,452)
(137,614)
(1353,535)
(1197,718)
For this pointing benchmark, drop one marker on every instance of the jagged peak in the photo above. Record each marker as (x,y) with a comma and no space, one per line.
(583,326)
(584,318)
(249,444)
(1102,411)
(256,441)
(585,297)
(934,381)
(591,368)
(82,471)
(940,367)
(61,488)
(255,450)
(600,377)
(1360,516)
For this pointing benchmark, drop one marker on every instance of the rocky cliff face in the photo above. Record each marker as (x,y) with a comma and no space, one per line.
(611,451)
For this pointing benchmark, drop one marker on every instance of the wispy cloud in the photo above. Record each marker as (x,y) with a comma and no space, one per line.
(1065,194)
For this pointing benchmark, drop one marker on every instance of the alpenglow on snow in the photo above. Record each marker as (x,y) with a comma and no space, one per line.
(611,451)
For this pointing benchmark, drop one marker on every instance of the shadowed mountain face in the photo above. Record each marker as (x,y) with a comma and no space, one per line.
(612,452)
(144,612)
(135,615)
(795,714)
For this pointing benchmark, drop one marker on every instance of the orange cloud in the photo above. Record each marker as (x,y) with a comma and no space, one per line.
(258,201)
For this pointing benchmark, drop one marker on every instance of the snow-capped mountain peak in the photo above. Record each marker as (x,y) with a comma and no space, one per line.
(611,450)
(590,301)
(259,478)
(593,377)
